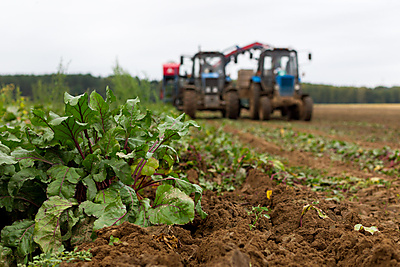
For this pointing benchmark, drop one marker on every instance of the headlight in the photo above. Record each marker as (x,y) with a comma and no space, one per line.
(208,89)
(215,89)
(276,87)
(297,87)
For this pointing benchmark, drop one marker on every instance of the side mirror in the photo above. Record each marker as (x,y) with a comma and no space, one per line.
(181,60)
(235,60)
(251,55)
(309,56)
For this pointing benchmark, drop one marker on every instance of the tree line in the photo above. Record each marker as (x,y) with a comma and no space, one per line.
(344,94)
(50,88)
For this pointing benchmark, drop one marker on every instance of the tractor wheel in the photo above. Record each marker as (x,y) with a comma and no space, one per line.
(232,105)
(265,108)
(307,109)
(254,101)
(190,103)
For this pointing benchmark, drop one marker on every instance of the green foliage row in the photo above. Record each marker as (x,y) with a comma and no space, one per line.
(384,160)
(222,162)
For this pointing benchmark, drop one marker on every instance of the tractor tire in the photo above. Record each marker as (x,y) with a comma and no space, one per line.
(265,109)
(254,101)
(232,105)
(190,103)
(307,109)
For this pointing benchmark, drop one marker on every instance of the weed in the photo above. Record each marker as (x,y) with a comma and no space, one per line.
(258,212)
(51,258)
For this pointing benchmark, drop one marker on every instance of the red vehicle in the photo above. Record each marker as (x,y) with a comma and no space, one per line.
(170,83)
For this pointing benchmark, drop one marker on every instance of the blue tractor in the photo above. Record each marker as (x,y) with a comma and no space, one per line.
(275,86)
(208,87)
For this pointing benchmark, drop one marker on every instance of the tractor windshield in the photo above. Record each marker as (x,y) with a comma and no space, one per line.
(208,63)
(280,63)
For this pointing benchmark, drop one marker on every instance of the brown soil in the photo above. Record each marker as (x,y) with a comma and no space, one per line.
(369,125)
(372,125)
(224,238)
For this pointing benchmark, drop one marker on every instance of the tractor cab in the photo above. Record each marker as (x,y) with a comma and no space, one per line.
(209,72)
(279,72)
(208,87)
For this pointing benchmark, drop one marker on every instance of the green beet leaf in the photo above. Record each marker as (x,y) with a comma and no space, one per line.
(64,181)
(189,188)
(6,159)
(67,128)
(25,157)
(19,235)
(91,162)
(5,149)
(130,114)
(39,118)
(92,209)
(149,168)
(109,144)
(78,107)
(171,206)
(70,219)
(121,170)
(174,128)
(91,189)
(62,172)
(61,188)
(128,196)
(113,214)
(108,195)
(11,136)
(131,202)
(108,214)
(142,218)
(47,231)
(18,179)
(103,121)
(99,177)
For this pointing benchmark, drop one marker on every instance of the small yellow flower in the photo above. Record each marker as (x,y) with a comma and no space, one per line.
(269,193)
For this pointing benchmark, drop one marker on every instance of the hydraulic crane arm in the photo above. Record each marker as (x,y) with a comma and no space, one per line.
(240,50)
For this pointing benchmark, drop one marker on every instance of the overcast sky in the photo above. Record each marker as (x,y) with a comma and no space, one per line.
(353,42)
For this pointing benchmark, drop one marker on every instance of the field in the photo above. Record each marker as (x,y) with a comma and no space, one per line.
(277,193)
(314,182)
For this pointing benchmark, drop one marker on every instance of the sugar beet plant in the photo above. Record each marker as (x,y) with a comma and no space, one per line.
(90,168)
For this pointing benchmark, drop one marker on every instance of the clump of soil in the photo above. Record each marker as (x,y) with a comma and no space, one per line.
(224,238)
